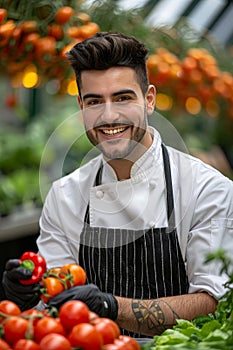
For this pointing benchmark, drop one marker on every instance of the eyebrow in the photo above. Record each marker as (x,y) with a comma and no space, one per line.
(120,92)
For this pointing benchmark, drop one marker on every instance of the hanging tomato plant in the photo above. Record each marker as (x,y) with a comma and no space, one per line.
(38,34)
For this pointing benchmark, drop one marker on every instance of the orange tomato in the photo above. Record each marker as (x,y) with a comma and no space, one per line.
(64,14)
(17,33)
(51,286)
(45,50)
(29,26)
(56,31)
(6,31)
(74,32)
(46,44)
(87,30)
(31,38)
(78,275)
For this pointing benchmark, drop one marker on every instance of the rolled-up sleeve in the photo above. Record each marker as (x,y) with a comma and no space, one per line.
(212,229)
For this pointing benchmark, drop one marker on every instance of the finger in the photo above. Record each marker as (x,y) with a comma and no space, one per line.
(62,297)
(11,264)
(19,273)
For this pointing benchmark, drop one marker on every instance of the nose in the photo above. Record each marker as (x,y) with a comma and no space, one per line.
(110,113)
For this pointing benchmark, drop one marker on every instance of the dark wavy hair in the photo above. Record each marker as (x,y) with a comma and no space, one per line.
(105,50)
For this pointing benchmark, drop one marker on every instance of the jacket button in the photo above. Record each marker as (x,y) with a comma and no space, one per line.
(153,184)
(99,194)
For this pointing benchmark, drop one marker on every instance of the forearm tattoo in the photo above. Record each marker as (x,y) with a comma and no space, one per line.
(151,315)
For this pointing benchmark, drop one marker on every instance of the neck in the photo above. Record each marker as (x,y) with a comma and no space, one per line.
(122,168)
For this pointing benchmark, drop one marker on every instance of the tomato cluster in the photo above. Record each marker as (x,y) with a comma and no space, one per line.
(52,281)
(56,280)
(39,38)
(73,327)
(196,75)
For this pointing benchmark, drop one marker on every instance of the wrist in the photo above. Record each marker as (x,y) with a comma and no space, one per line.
(111,307)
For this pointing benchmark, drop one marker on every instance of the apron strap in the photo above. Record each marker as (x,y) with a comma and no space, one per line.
(97,182)
(168,179)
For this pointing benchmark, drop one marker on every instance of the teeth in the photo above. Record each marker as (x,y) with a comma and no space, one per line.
(113,131)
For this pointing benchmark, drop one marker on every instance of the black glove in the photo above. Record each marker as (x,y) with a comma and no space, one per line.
(104,304)
(25,296)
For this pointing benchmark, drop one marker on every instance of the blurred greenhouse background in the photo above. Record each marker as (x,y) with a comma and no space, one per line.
(190,62)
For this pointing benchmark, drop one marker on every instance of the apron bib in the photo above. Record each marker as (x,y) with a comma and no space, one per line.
(141,264)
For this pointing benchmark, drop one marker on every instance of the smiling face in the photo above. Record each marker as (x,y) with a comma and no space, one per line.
(115,112)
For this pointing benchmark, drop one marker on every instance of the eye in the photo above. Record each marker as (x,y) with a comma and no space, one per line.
(123,98)
(92,102)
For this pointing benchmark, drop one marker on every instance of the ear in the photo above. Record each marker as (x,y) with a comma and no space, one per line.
(150,99)
(80,102)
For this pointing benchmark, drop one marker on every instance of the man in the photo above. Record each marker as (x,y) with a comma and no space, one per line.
(141,217)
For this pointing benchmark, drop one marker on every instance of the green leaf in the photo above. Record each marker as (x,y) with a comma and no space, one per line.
(209,327)
(217,335)
(173,337)
(181,323)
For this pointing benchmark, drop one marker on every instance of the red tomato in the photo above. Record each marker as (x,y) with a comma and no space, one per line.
(11,100)
(9,308)
(51,287)
(26,344)
(55,341)
(4,345)
(108,329)
(3,15)
(77,273)
(72,313)
(113,347)
(47,325)
(128,342)
(15,328)
(85,335)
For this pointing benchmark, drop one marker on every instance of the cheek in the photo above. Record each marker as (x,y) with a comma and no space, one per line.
(136,113)
(89,122)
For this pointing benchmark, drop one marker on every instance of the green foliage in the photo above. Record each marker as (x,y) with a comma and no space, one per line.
(111,17)
(213,331)
(21,150)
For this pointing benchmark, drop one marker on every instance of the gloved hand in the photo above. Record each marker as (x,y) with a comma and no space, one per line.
(104,304)
(25,296)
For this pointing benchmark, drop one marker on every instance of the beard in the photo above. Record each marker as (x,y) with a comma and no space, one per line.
(121,148)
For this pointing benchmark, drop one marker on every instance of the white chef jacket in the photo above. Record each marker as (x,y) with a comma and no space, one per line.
(203,202)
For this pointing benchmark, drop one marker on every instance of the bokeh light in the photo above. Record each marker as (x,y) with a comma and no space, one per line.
(164,102)
(193,105)
(72,88)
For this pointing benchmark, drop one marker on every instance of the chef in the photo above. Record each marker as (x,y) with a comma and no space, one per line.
(141,217)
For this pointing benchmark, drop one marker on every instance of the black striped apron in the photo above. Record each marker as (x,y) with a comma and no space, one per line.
(141,264)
